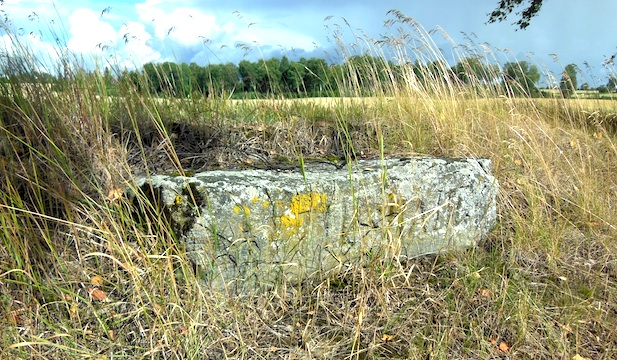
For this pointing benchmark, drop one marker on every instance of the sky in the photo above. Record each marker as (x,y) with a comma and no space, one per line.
(131,33)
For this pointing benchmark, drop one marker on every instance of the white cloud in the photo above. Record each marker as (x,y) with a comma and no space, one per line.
(274,37)
(89,32)
(127,46)
(184,25)
(43,55)
(136,50)
(189,26)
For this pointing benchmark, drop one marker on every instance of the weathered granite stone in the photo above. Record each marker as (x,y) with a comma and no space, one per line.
(249,229)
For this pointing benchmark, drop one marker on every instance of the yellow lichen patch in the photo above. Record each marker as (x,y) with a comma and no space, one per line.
(290,221)
(255,199)
(242,209)
(300,204)
(178,200)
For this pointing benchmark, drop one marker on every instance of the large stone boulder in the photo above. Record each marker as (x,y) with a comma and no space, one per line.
(251,229)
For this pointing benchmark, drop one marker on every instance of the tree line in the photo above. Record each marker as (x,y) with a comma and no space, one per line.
(359,75)
(302,78)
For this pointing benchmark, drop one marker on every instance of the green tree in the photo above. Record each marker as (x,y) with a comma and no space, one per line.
(612,83)
(368,73)
(568,82)
(229,77)
(520,78)
(506,7)
(199,78)
(317,76)
(473,71)
(153,77)
(251,75)
(292,74)
(273,80)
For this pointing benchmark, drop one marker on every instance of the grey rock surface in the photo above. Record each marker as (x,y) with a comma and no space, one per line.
(251,229)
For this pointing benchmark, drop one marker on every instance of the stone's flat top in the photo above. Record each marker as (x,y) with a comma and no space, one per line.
(329,171)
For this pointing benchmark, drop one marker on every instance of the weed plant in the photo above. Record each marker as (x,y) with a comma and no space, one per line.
(81,277)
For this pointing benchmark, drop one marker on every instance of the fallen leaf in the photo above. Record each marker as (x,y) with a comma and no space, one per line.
(112,335)
(73,310)
(96,280)
(485,293)
(97,294)
(386,338)
(15,317)
(504,347)
(593,224)
(578,357)
(115,194)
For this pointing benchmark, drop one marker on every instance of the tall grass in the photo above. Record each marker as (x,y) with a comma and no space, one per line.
(82,276)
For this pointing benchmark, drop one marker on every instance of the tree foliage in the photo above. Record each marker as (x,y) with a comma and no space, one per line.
(473,71)
(612,83)
(358,75)
(520,78)
(506,7)
(568,82)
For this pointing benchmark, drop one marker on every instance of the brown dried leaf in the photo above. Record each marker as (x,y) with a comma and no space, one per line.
(386,338)
(504,347)
(96,281)
(115,194)
(15,317)
(97,294)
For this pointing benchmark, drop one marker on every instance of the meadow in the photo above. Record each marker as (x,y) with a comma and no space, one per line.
(80,277)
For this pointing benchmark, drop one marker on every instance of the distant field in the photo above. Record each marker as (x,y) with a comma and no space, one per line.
(583,94)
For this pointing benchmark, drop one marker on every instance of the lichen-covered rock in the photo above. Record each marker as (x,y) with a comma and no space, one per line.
(249,229)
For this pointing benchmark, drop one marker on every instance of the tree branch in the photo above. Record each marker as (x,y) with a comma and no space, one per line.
(506,7)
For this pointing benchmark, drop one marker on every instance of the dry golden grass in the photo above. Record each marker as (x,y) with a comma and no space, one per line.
(542,286)
(82,277)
